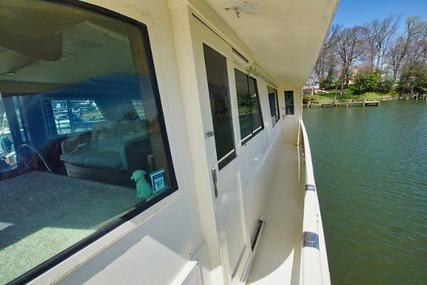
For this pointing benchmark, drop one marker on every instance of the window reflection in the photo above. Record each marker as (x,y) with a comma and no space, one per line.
(216,70)
(274,105)
(82,141)
(250,116)
(289,103)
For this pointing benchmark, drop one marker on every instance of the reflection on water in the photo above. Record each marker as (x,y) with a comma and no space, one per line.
(371,171)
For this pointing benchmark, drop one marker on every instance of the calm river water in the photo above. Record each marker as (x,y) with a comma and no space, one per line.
(371,173)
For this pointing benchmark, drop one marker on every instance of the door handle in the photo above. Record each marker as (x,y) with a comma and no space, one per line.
(215,181)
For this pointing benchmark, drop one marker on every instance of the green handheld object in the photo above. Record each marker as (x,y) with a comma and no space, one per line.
(143,189)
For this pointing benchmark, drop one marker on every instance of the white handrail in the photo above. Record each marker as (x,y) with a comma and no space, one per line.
(314,260)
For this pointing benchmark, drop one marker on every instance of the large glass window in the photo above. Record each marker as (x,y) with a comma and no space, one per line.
(219,97)
(82,141)
(250,115)
(274,105)
(289,103)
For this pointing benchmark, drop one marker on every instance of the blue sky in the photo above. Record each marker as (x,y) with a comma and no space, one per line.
(357,12)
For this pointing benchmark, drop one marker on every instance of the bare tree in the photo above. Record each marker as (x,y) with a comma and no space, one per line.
(386,33)
(414,65)
(326,54)
(371,31)
(378,36)
(349,48)
(414,32)
(416,54)
(379,45)
(395,55)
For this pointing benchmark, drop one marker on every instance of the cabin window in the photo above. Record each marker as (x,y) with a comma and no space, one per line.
(82,141)
(219,97)
(289,103)
(274,105)
(250,116)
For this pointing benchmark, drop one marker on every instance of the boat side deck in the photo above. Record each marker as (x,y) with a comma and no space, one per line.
(277,260)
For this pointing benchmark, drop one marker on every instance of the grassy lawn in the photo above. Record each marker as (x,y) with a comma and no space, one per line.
(329,96)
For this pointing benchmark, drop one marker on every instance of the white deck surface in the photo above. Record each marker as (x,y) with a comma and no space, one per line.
(277,259)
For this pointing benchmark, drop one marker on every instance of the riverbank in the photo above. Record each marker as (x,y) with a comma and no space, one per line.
(332,99)
(327,97)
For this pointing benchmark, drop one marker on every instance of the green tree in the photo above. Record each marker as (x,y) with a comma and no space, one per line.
(329,83)
(413,79)
(371,82)
(365,82)
(385,86)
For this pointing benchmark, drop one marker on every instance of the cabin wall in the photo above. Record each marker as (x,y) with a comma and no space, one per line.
(156,245)
(256,158)
(257,163)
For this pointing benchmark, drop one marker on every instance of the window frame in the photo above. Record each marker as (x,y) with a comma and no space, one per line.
(256,131)
(292,106)
(140,207)
(276,100)
(277,107)
(232,154)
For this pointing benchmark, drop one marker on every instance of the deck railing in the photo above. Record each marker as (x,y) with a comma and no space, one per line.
(314,261)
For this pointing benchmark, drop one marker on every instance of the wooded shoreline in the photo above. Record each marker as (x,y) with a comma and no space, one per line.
(361,101)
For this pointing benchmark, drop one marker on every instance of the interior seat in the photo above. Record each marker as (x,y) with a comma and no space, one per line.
(122,147)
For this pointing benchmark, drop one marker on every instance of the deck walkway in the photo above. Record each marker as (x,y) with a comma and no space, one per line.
(277,259)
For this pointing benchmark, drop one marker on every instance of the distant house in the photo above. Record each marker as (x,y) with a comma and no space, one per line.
(311,86)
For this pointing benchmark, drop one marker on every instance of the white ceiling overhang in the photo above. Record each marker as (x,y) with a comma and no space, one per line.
(285,36)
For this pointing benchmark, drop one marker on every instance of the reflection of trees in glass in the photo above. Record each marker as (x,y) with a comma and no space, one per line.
(250,116)
(274,105)
(220,105)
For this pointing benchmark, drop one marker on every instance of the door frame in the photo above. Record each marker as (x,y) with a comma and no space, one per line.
(213,40)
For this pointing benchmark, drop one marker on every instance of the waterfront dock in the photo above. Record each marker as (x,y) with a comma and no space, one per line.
(372,103)
(348,103)
(417,97)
